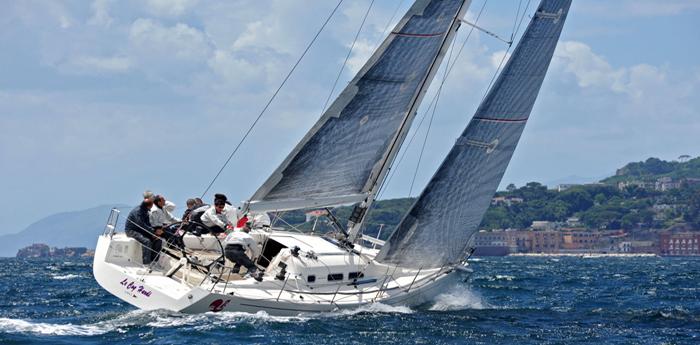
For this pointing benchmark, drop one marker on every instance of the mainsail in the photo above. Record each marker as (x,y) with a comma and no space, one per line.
(345,153)
(437,228)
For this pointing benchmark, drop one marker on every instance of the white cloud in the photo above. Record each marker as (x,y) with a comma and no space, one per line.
(180,41)
(640,90)
(169,8)
(590,69)
(115,64)
(639,8)
(497,59)
(276,27)
(235,71)
(361,52)
(65,22)
(100,13)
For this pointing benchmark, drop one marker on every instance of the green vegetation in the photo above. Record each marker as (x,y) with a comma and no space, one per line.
(604,206)
(654,168)
(597,206)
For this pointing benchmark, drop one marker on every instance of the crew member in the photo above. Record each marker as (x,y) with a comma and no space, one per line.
(160,215)
(138,227)
(161,218)
(190,207)
(237,242)
(214,218)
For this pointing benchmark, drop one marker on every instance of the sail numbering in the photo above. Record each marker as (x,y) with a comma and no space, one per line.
(344,159)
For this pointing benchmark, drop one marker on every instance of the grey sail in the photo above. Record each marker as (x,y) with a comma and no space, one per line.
(341,157)
(438,226)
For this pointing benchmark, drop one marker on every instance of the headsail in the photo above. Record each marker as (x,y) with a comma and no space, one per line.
(436,229)
(340,158)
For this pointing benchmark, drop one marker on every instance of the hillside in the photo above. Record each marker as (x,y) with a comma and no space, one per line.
(597,206)
(67,229)
(653,168)
(651,194)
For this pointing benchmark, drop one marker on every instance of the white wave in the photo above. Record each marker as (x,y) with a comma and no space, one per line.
(156,319)
(260,316)
(118,323)
(207,321)
(163,320)
(503,277)
(459,297)
(66,276)
(22,326)
(376,308)
(160,319)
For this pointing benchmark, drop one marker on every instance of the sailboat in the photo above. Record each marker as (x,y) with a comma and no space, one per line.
(343,160)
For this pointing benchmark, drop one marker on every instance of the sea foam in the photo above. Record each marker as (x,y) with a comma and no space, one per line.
(22,326)
(66,276)
(459,297)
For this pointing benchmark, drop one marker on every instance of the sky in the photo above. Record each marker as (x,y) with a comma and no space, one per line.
(100,100)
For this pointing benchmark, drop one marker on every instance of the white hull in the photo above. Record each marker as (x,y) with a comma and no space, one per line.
(116,269)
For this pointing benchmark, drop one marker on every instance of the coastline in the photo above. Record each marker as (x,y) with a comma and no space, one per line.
(588,255)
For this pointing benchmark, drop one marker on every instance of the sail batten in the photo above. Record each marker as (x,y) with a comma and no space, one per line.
(436,229)
(346,150)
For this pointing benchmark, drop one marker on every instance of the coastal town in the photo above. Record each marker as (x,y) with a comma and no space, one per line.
(40,250)
(573,236)
(545,237)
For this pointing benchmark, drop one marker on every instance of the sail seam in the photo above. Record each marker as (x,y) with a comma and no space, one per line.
(386,80)
(406,34)
(502,120)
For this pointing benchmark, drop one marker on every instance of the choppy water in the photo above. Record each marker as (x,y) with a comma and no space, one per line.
(507,301)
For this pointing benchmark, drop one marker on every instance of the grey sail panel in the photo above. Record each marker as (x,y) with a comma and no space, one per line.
(344,149)
(438,226)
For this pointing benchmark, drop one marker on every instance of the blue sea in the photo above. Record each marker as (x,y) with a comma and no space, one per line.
(509,300)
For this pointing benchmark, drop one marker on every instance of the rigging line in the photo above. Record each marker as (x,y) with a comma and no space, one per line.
(422,149)
(488,32)
(451,66)
(388,24)
(347,57)
(503,59)
(274,95)
(515,22)
(432,115)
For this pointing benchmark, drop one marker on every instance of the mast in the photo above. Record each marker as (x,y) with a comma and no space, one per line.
(360,211)
(345,156)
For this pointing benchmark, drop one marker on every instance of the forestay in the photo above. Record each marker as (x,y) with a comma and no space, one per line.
(437,228)
(340,158)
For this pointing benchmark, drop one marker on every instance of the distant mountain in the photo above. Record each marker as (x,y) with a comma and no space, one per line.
(67,229)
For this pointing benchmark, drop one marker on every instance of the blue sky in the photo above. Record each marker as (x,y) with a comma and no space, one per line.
(101,100)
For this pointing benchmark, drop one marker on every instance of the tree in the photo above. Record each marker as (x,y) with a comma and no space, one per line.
(600,199)
(578,199)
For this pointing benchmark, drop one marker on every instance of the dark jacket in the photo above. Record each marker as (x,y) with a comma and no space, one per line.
(138,220)
(186,215)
